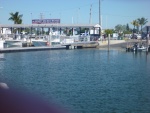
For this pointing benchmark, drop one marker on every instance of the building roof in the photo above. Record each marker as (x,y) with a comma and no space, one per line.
(49,25)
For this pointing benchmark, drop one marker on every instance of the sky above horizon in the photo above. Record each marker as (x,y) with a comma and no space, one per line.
(113,12)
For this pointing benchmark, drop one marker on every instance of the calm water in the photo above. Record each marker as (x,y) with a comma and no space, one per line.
(83,81)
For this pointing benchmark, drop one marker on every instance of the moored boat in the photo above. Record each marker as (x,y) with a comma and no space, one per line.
(14,43)
(142,48)
(38,43)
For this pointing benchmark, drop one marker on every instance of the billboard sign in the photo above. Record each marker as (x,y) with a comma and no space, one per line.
(46,21)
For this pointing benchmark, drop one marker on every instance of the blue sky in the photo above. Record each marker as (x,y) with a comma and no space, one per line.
(113,11)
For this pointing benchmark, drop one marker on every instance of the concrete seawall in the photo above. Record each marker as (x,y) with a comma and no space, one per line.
(23,49)
(112,42)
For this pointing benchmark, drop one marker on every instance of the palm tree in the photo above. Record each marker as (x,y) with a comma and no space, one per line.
(16,18)
(142,21)
(135,24)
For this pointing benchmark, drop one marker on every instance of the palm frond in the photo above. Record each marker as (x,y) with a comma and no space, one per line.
(16,17)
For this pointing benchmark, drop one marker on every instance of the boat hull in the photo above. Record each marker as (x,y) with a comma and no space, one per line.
(39,43)
(13,43)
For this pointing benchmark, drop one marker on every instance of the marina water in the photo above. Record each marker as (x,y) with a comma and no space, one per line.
(82,80)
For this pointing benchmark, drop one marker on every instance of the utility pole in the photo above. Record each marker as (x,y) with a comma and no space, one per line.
(100,29)
(60,16)
(147,38)
(100,12)
(108,42)
(31,18)
(72,19)
(78,15)
(90,21)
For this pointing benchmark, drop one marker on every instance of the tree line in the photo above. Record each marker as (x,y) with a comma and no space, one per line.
(125,29)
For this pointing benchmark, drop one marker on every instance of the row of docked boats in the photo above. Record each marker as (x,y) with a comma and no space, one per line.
(37,41)
(9,42)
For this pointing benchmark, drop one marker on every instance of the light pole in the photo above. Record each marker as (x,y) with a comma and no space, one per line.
(60,14)
(78,15)
(0,27)
(90,21)
(31,18)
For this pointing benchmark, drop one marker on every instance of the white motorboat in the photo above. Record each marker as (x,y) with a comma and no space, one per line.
(14,43)
(142,48)
(49,41)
